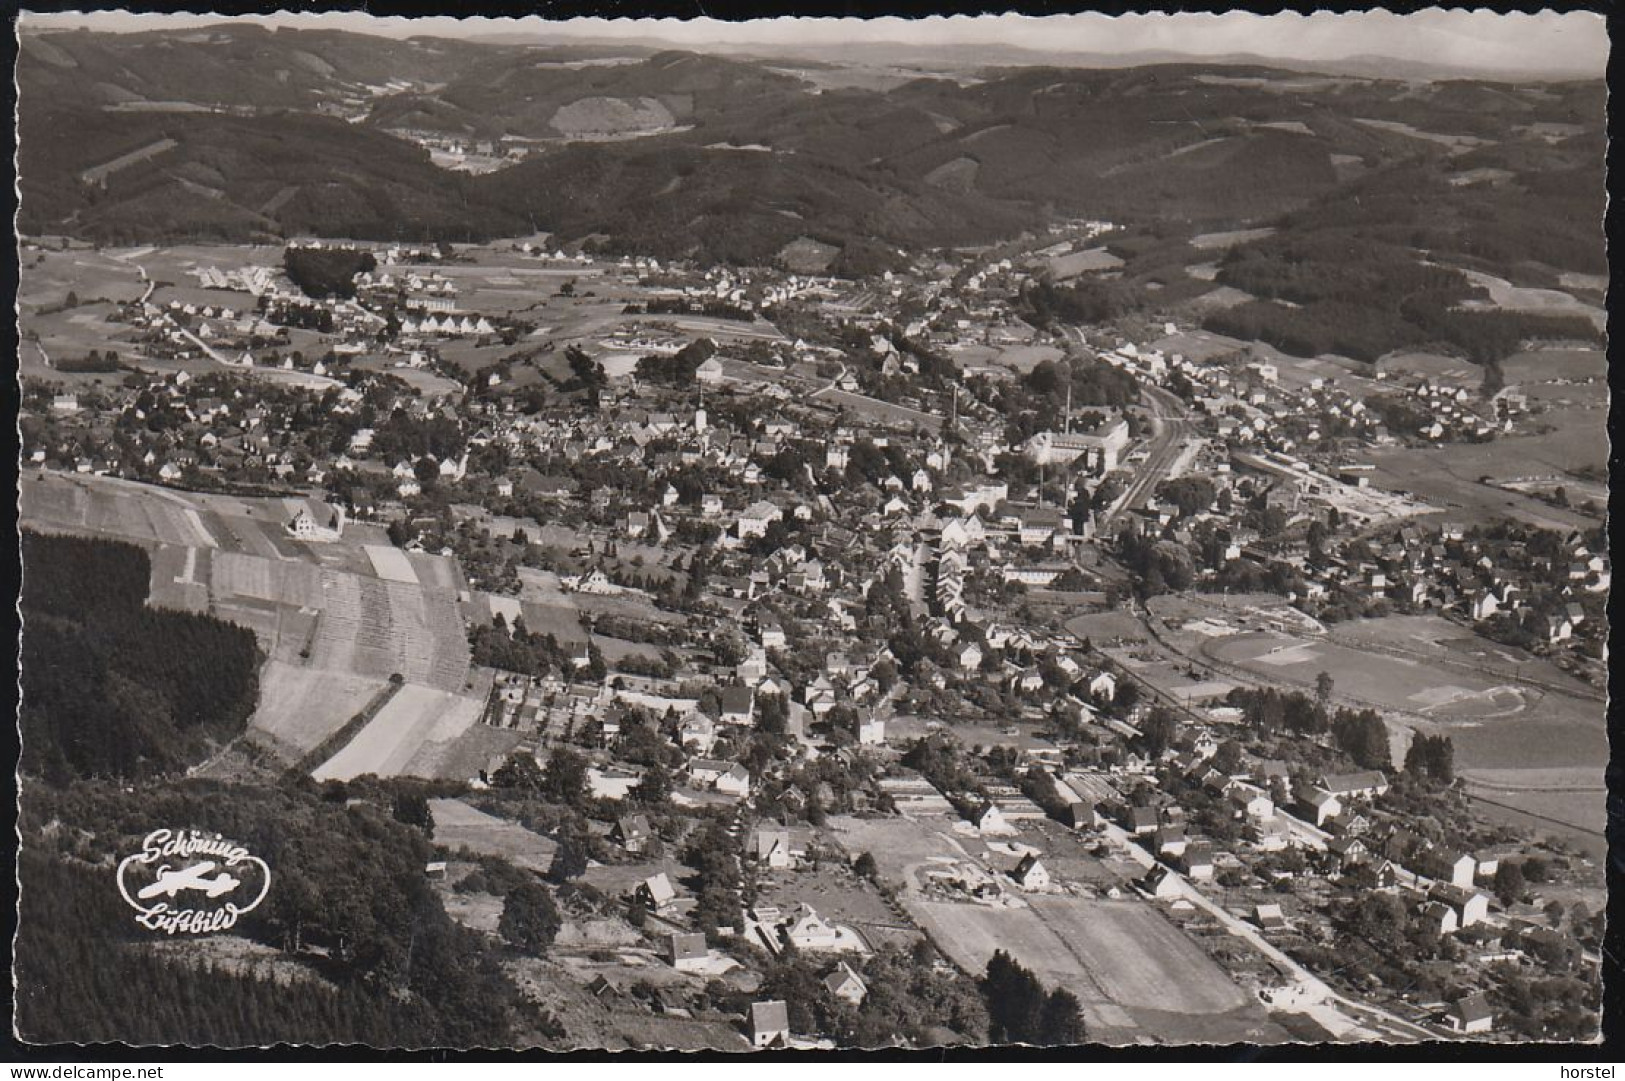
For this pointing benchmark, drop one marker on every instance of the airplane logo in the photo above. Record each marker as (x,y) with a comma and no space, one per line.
(170,882)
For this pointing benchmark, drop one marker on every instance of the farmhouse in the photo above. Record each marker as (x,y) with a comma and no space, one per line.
(807,930)
(771,847)
(1319,805)
(754,519)
(1031,874)
(736,705)
(1470,906)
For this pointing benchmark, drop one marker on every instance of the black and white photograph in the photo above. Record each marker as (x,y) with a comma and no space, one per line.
(927,534)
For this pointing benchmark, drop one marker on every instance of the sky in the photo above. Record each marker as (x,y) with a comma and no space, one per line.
(1572,42)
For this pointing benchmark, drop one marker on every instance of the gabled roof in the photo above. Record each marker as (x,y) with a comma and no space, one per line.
(689,946)
(1029,863)
(659,887)
(841,976)
(1353,782)
(773,1016)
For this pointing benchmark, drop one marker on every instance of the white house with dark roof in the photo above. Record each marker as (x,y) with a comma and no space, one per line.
(769,1024)
(845,984)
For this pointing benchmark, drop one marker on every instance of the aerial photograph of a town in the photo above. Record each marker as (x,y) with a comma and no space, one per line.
(701,536)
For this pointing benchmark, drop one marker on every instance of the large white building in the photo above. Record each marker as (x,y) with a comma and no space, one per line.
(1101,447)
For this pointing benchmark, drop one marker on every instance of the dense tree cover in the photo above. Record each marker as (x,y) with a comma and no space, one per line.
(1362,736)
(1158,731)
(1037,401)
(586,374)
(909,998)
(1019,1010)
(1088,301)
(678,369)
(402,435)
(1191,494)
(347,881)
(326,272)
(520,650)
(716,855)
(1334,290)
(79,981)
(938,759)
(1269,710)
(1431,759)
(111,687)
(1159,566)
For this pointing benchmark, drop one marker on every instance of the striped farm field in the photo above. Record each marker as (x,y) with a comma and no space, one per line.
(415,716)
(237,575)
(303,706)
(438,572)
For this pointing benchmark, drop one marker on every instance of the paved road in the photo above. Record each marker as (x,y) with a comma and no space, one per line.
(1341,1016)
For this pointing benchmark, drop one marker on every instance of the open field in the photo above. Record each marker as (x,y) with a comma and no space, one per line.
(480,747)
(391,564)
(301,707)
(1024,358)
(1136,974)
(1556,365)
(1082,262)
(1198,345)
(1221,241)
(1508,297)
(416,716)
(49,275)
(900,846)
(1450,476)
(138,513)
(457,825)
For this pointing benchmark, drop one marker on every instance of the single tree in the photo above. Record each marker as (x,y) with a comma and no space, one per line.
(530,920)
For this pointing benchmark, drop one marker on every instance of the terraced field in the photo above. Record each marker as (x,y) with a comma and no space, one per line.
(336,620)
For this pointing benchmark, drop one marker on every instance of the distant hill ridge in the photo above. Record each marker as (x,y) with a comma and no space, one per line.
(926,163)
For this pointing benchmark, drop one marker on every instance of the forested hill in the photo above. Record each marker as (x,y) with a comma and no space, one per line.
(680,154)
(111,687)
(352,944)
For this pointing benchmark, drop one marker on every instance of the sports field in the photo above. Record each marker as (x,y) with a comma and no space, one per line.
(415,716)
(1495,723)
